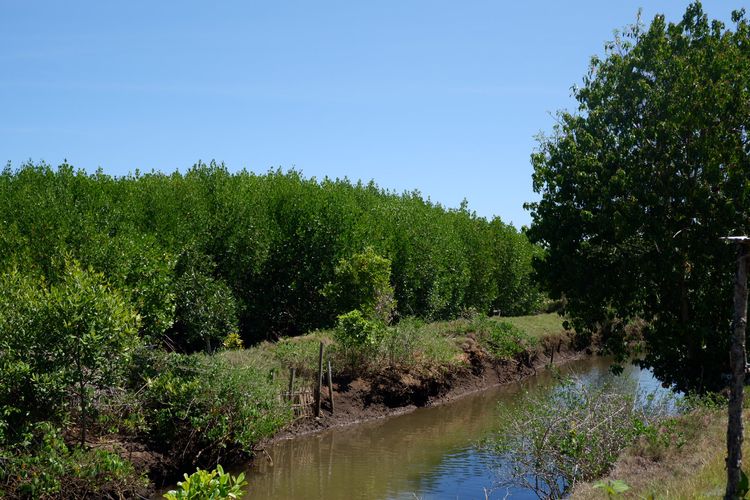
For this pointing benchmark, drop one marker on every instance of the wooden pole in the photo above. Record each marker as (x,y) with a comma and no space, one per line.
(320,382)
(330,385)
(292,374)
(738,364)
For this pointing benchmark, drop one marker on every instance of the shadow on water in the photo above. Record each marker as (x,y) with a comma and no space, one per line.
(426,454)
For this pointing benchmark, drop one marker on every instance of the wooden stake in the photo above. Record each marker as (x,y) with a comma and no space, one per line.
(320,382)
(293,373)
(330,385)
(738,366)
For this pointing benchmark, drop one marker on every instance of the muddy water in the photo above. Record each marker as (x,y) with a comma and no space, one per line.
(427,454)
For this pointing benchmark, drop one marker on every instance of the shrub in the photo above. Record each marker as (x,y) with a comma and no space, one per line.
(502,339)
(68,339)
(362,282)
(414,344)
(549,442)
(505,340)
(200,408)
(42,466)
(355,330)
(204,485)
(233,341)
(357,340)
(205,312)
(300,353)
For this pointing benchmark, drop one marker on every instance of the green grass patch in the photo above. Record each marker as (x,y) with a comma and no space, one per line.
(537,325)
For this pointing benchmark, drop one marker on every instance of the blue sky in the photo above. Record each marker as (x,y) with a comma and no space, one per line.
(443,97)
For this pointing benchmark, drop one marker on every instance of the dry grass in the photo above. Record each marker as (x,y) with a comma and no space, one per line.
(695,470)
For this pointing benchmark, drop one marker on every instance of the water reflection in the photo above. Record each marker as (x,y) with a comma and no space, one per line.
(426,454)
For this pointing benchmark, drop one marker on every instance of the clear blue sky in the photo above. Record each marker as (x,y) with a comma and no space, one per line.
(443,97)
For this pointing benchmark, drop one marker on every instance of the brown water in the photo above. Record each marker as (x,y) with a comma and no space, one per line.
(427,454)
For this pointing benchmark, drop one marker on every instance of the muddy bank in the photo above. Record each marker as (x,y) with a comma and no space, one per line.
(394,391)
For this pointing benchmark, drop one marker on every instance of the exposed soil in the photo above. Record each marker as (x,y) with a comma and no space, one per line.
(394,391)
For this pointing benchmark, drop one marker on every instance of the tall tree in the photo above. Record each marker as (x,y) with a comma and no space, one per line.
(639,185)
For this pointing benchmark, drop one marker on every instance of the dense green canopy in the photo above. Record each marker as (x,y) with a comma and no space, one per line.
(202,254)
(639,185)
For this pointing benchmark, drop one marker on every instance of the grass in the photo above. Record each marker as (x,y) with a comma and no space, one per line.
(538,325)
(411,344)
(694,470)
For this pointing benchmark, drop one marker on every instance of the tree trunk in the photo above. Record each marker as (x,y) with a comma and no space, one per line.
(82,397)
(737,362)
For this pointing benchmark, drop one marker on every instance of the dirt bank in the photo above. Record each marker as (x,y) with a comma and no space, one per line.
(394,391)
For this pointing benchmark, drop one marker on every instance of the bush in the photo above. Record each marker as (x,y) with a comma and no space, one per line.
(205,312)
(354,330)
(505,340)
(300,353)
(414,344)
(362,282)
(66,340)
(42,466)
(201,408)
(549,442)
(357,340)
(204,485)
(502,339)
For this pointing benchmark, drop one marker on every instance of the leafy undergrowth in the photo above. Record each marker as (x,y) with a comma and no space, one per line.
(44,466)
(685,459)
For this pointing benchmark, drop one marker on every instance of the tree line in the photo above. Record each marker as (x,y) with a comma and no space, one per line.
(209,253)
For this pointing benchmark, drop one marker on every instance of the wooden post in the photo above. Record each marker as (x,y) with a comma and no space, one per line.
(320,382)
(330,385)
(738,367)
(292,374)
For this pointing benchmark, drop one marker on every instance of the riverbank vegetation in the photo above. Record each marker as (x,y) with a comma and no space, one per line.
(549,443)
(170,412)
(691,466)
(126,302)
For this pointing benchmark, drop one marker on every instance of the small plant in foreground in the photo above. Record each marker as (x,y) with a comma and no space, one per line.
(205,485)
(613,488)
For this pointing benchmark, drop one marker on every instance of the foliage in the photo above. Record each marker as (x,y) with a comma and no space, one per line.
(233,341)
(300,353)
(42,466)
(612,488)
(414,344)
(204,485)
(502,339)
(205,312)
(68,339)
(638,187)
(355,330)
(200,408)
(362,282)
(258,250)
(573,434)
(357,339)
